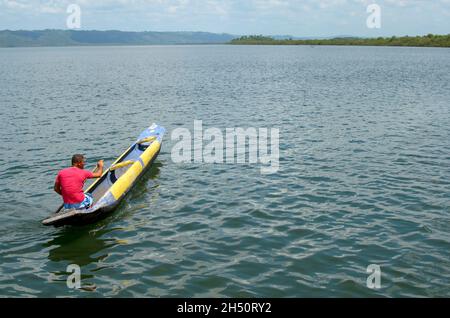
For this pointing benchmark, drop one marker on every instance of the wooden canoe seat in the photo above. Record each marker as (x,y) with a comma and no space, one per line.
(145,140)
(121,165)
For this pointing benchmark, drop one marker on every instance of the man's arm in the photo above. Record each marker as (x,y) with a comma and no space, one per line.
(57,187)
(99,171)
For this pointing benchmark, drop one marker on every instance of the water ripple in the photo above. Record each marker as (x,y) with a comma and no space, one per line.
(364,171)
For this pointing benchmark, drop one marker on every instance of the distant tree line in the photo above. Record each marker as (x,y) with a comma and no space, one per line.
(36,38)
(430,40)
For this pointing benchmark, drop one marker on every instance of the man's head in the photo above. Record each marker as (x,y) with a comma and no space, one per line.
(78,161)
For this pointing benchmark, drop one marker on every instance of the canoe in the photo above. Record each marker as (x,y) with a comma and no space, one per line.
(112,187)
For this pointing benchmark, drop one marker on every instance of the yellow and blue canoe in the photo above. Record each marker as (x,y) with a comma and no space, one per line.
(110,189)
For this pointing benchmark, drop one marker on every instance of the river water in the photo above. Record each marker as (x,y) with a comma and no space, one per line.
(364,174)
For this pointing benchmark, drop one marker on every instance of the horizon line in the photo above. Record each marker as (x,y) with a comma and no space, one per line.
(221,33)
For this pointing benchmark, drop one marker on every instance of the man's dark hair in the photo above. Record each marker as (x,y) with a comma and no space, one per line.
(77,159)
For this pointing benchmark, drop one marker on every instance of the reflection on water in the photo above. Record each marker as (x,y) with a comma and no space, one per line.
(86,246)
(81,246)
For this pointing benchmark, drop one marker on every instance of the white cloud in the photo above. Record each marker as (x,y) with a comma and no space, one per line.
(270,4)
(236,16)
(15,5)
(178,5)
(218,6)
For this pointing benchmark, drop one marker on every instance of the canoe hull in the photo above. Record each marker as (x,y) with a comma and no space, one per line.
(116,188)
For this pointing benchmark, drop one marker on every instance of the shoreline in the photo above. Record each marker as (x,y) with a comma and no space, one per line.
(430,40)
(217,44)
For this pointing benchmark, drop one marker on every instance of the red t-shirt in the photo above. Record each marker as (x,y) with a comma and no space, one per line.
(72,181)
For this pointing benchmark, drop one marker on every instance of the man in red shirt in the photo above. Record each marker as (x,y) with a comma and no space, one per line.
(70,181)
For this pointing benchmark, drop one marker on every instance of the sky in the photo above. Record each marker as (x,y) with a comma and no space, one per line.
(301,18)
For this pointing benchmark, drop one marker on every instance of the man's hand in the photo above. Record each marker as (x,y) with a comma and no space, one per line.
(99,171)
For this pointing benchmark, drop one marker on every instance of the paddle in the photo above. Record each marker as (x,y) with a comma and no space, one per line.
(115,164)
